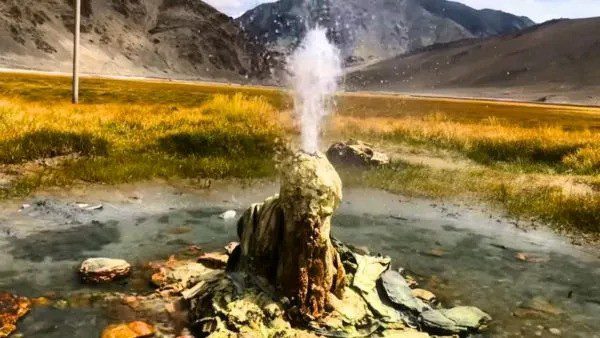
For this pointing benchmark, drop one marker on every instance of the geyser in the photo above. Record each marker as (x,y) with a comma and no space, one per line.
(316,68)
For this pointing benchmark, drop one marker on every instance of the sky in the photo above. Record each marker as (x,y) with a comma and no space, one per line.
(537,10)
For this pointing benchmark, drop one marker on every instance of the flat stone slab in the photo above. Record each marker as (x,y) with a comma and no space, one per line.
(399,292)
(455,320)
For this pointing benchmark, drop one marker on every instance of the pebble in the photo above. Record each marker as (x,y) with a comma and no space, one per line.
(555,331)
(227,215)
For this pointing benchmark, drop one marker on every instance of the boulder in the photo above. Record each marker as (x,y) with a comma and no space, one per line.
(12,308)
(356,153)
(102,270)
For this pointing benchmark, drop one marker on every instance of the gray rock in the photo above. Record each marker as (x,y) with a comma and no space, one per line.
(436,321)
(399,292)
(459,319)
(467,317)
(356,153)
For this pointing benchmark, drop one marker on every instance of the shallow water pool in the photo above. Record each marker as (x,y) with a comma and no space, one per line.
(464,255)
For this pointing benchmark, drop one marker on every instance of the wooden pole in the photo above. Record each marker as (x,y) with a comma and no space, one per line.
(76,38)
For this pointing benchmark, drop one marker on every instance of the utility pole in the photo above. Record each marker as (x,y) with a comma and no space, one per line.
(76,38)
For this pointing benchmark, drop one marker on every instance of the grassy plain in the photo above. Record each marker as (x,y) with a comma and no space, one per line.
(538,162)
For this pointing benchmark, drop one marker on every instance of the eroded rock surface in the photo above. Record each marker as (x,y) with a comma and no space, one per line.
(286,239)
(102,270)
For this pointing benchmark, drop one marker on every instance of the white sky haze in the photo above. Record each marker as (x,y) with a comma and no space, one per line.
(537,10)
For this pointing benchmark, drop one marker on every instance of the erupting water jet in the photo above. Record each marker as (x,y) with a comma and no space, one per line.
(316,67)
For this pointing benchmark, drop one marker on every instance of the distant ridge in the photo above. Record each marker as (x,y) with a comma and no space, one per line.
(557,61)
(368,30)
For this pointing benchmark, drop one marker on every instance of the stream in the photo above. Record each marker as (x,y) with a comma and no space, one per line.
(533,283)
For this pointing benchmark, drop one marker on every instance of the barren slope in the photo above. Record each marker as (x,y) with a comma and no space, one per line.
(556,61)
(182,38)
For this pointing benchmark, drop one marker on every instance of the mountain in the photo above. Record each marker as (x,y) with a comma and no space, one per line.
(180,38)
(556,61)
(374,29)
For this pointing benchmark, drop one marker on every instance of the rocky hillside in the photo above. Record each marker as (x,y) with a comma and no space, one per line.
(180,38)
(375,29)
(556,61)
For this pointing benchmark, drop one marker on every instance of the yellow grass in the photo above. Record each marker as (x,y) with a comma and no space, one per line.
(486,142)
(225,136)
(524,154)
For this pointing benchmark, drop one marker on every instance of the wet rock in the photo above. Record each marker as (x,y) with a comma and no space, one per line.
(178,275)
(368,272)
(40,302)
(214,260)
(12,308)
(460,319)
(179,230)
(434,320)
(409,333)
(424,295)
(253,313)
(537,307)
(101,270)
(400,293)
(530,258)
(136,329)
(356,153)
(467,318)
(228,215)
(436,252)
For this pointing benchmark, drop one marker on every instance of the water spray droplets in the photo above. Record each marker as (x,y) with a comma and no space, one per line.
(316,68)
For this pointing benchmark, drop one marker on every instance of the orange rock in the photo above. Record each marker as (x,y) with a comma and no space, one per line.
(132,330)
(158,279)
(214,260)
(131,301)
(424,295)
(40,301)
(142,329)
(12,308)
(525,257)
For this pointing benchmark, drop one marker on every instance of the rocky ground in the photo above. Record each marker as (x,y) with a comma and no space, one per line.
(195,294)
